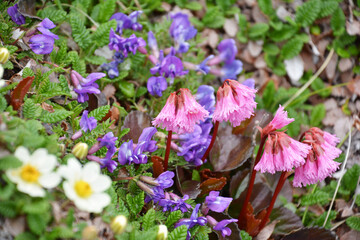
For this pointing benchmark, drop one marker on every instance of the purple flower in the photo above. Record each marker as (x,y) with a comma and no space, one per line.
(87,123)
(181,31)
(228,50)
(115,41)
(157,196)
(173,202)
(216,203)
(146,135)
(206,98)
(107,162)
(15,15)
(128,155)
(122,20)
(85,86)
(156,85)
(192,221)
(231,70)
(249,83)
(221,226)
(165,179)
(202,67)
(152,43)
(111,68)
(172,67)
(132,44)
(133,18)
(108,141)
(44,27)
(157,68)
(41,44)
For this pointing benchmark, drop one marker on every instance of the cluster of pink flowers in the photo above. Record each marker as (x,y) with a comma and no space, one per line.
(313,158)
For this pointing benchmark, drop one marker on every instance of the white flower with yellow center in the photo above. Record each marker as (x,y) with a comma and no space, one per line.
(36,172)
(85,185)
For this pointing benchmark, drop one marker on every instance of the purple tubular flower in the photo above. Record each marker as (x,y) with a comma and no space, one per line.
(122,20)
(87,123)
(231,70)
(165,179)
(85,86)
(115,41)
(192,221)
(132,44)
(156,85)
(249,83)
(206,98)
(107,162)
(44,27)
(108,141)
(172,67)
(128,155)
(181,31)
(15,15)
(221,226)
(216,203)
(152,43)
(157,196)
(133,18)
(157,68)
(146,135)
(173,202)
(202,67)
(41,44)
(111,68)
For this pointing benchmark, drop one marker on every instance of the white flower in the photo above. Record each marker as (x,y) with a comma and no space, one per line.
(35,173)
(85,186)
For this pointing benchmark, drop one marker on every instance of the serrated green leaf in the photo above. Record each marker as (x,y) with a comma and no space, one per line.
(178,233)
(349,180)
(149,219)
(269,93)
(79,32)
(8,208)
(337,22)
(214,18)
(286,32)
(307,12)
(101,36)
(328,7)
(318,197)
(3,103)
(9,162)
(36,223)
(136,203)
(99,112)
(258,30)
(292,48)
(266,7)
(107,8)
(37,207)
(64,84)
(271,49)
(55,117)
(353,222)
(27,72)
(195,6)
(173,218)
(317,115)
(26,236)
(123,132)
(96,60)
(244,235)
(53,14)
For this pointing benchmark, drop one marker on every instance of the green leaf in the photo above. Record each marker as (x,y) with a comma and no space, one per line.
(107,8)
(317,85)
(30,109)
(64,84)
(317,115)
(27,72)
(3,103)
(357,200)
(123,132)
(320,220)
(244,235)
(307,12)
(268,95)
(53,14)
(96,60)
(271,49)
(80,34)
(214,18)
(195,6)
(7,191)
(258,30)
(328,7)
(55,117)
(37,223)
(337,22)
(37,207)
(266,7)
(26,236)
(178,233)
(136,203)
(292,48)
(8,208)
(349,180)
(99,112)
(9,162)
(286,32)
(173,218)
(294,127)
(101,36)
(353,222)
(149,219)
(318,197)
(127,88)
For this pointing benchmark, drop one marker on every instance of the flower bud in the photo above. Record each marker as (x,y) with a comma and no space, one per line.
(4,55)
(89,233)
(118,224)
(80,150)
(162,233)
(149,180)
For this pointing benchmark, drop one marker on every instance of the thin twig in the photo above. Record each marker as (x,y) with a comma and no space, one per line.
(341,175)
(308,83)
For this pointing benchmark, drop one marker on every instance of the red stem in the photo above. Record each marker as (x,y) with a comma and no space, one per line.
(279,186)
(252,180)
(167,152)
(216,127)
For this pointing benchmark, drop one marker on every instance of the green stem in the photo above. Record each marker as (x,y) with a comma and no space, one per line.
(307,207)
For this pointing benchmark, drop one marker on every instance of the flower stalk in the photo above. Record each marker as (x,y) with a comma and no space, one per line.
(216,127)
(167,152)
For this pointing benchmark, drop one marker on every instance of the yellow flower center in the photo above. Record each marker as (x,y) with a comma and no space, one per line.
(29,174)
(83,189)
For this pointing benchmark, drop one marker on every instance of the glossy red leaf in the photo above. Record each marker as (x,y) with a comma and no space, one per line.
(158,166)
(17,96)
(212,184)
(288,220)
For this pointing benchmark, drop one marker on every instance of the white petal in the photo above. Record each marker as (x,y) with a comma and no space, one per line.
(102,183)
(14,175)
(50,180)
(98,201)
(45,164)
(33,190)
(72,170)
(91,171)
(69,190)
(22,154)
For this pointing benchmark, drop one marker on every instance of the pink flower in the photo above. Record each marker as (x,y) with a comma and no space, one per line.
(180,113)
(235,103)
(279,121)
(320,161)
(282,153)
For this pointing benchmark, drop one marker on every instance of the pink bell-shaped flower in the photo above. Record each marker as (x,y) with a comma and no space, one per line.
(320,161)
(279,121)
(235,103)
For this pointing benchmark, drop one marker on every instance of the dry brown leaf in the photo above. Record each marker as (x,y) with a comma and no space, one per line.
(345,64)
(260,62)
(331,68)
(15,226)
(266,232)
(47,107)
(231,27)
(255,48)
(109,91)
(353,28)
(258,16)
(351,235)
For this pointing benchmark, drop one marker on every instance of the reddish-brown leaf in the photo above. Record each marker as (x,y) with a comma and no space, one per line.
(311,233)
(17,96)
(136,121)
(212,184)
(207,173)
(158,166)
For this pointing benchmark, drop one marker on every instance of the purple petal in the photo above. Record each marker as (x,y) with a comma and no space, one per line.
(47,23)
(41,44)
